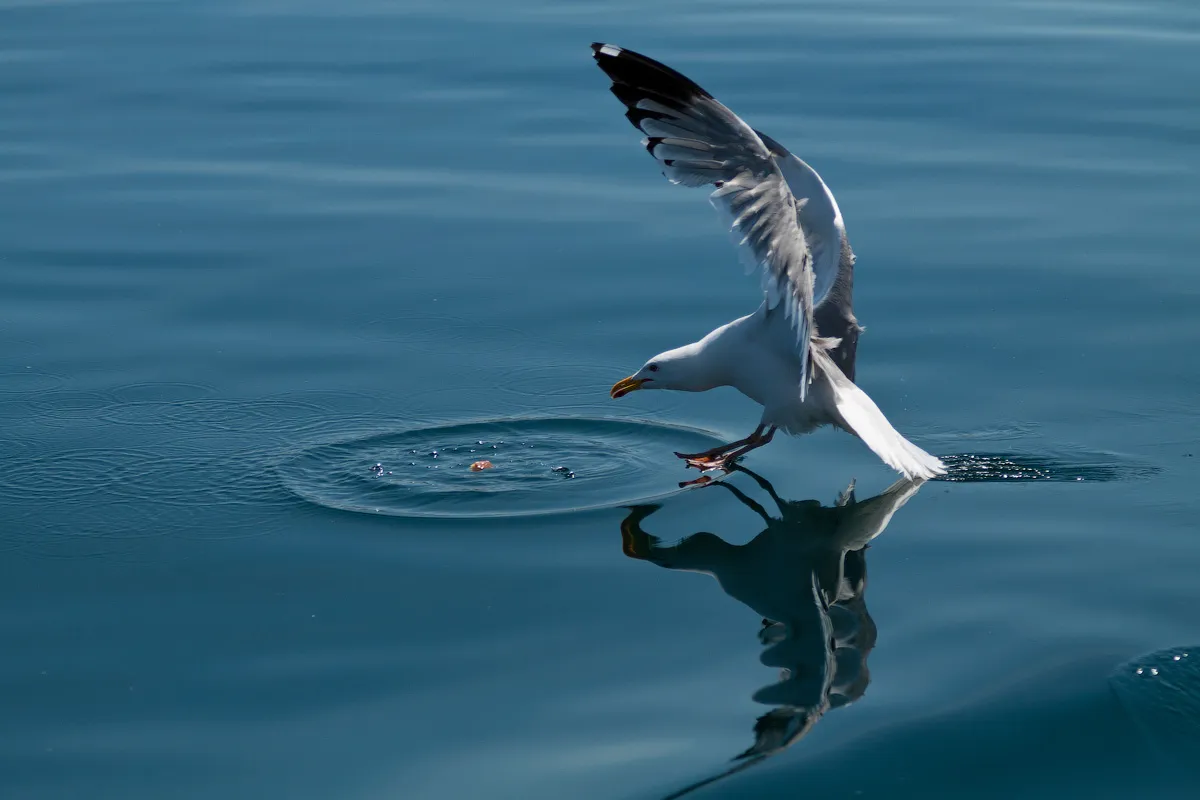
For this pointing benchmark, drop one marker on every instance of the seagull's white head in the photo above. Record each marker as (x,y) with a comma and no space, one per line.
(683,369)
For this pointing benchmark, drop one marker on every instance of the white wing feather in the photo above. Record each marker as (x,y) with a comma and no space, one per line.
(864,419)
(819,217)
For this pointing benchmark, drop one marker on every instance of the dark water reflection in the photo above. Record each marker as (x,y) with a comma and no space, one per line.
(805,574)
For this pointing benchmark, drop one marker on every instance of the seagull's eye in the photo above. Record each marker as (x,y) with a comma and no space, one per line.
(653,367)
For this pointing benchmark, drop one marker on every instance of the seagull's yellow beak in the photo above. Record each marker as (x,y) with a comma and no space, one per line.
(625,386)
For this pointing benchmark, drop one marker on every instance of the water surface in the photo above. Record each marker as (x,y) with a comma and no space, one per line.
(241,238)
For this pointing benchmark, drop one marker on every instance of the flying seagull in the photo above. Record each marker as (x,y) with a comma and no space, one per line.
(794,356)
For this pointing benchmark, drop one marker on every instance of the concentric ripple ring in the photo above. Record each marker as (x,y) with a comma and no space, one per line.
(536,467)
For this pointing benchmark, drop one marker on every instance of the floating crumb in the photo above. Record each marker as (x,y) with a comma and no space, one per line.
(479,466)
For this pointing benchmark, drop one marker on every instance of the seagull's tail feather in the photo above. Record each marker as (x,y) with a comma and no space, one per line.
(863,418)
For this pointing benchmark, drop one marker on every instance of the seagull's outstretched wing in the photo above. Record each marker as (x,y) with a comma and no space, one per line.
(819,217)
(698,141)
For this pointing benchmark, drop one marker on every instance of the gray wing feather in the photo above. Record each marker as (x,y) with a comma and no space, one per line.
(698,141)
(818,214)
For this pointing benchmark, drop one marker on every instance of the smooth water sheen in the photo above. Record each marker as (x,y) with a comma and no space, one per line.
(259,259)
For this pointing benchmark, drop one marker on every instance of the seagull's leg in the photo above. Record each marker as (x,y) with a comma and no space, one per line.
(724,448)
(725,459)
(731,458)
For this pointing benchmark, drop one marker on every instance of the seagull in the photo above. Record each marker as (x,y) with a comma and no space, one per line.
(795,354)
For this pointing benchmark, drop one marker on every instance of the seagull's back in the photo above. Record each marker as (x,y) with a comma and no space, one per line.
(835,318)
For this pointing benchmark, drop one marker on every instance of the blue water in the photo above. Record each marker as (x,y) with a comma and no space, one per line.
(250,250)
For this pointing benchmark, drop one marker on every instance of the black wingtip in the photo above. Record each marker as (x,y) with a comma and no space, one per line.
(642,73)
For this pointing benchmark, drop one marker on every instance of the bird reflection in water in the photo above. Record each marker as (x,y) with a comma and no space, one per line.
(805,574)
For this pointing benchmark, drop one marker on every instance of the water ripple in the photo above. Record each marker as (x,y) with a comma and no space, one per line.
(540,466)
(980,467)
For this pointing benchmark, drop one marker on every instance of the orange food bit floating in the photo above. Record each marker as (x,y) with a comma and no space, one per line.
(479,466)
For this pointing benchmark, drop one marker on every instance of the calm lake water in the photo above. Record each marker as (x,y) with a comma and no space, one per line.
(250,250)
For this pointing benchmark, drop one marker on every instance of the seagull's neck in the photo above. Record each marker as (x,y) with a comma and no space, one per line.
(711,362)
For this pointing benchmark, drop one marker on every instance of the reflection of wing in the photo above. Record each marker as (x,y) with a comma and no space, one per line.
(699,141)
(862,522)
(804,655)
(777,729)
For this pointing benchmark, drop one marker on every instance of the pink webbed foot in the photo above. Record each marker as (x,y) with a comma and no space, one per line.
(710,463)
(726,456)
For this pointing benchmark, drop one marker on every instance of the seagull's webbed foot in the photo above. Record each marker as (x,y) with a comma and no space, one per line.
(709,463)
(726,456)
(720,451)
